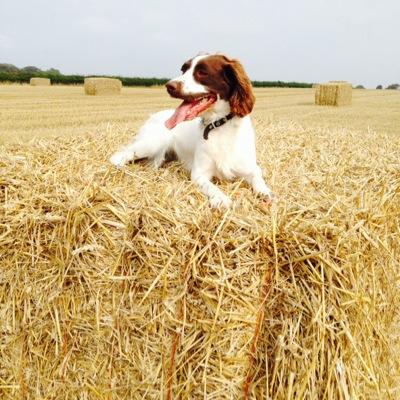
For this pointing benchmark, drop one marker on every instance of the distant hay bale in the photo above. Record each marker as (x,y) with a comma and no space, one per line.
(102,86)
(334,93)
(40,82)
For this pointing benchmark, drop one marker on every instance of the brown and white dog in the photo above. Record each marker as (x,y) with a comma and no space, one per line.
(210,132)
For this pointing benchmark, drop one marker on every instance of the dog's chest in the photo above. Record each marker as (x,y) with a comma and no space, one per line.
(222,150)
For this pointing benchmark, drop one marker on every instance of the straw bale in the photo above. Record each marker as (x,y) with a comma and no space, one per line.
(334,93)
(125,285)
(40,82)
(102,86)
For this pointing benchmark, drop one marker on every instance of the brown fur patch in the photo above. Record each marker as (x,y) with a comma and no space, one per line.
(227,78)
(186,66)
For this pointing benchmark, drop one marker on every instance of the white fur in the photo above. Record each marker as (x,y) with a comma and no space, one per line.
(189,85)
(228,153)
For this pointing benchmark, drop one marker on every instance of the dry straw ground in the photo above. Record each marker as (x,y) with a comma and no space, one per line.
(125,285)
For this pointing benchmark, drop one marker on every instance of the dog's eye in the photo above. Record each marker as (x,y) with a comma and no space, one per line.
(202,73)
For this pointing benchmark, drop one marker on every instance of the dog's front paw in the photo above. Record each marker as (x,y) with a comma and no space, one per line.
(220,201)
(264,191)
(119,159)
(267,197)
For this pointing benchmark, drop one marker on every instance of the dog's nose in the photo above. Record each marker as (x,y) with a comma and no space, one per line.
(172,86)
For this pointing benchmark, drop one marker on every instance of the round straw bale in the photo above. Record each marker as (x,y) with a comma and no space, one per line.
(102,86)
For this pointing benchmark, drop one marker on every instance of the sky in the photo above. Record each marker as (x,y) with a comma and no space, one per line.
(288,40)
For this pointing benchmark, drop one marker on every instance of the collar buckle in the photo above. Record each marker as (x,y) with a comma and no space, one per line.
(216,124)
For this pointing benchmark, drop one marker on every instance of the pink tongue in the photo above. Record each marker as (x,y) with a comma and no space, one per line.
(179,115)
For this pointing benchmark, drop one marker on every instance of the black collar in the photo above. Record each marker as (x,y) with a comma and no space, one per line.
(216,124)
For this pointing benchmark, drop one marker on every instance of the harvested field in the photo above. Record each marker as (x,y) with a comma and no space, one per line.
(125,285)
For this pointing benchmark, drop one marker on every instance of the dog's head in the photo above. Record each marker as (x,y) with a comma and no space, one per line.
(207,80)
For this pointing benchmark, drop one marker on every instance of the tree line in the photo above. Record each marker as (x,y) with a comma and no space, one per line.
(11,73)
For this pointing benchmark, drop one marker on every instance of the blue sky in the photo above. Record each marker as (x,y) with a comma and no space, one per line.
(304,40)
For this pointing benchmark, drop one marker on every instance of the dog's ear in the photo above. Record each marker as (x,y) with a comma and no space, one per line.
(241,97)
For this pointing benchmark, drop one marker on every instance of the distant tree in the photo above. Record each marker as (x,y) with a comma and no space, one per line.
(53,71)
(360,87)
(31,69)
(394,86)
(8,68)
(379,87)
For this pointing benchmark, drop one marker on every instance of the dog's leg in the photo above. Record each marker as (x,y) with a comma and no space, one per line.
(256,180)
(153,147)
(202,174)
(124,155)
(217,198)
(152,141)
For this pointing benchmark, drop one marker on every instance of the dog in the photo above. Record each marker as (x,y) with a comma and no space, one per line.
(210,132)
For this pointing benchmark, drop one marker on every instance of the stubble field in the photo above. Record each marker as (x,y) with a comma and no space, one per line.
(27,112)
(125,285)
